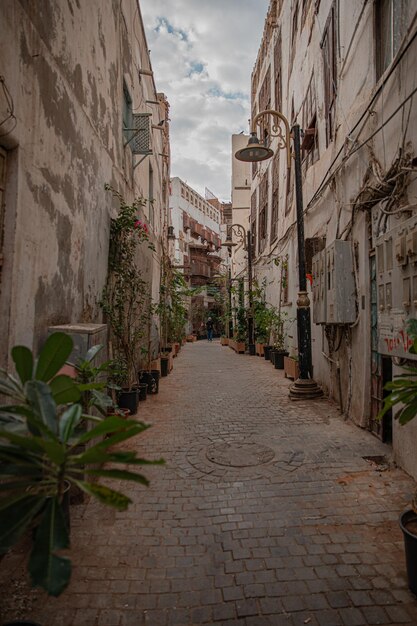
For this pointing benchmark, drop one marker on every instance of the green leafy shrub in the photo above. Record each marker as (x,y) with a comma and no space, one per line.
(43,453)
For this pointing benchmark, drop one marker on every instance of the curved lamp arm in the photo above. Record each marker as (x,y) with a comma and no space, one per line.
(277,130)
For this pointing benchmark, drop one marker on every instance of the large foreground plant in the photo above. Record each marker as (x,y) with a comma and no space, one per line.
(43,451)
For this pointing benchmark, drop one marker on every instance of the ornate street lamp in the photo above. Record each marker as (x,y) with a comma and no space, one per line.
(305,386)
(245,239)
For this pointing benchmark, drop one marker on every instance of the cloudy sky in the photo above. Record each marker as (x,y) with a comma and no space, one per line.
(202,54)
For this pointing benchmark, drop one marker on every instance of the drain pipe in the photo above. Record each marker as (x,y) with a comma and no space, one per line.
(339,380)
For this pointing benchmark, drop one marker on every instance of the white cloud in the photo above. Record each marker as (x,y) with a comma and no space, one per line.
(202,54)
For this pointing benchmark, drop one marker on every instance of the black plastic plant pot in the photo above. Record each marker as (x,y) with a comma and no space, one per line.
(267,350)
(252,349)
(151,379)
(279,359)
(164,365)
(408,524)
(143,391)
(129,400)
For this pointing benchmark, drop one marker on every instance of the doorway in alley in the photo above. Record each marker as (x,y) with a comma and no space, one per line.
(381,368)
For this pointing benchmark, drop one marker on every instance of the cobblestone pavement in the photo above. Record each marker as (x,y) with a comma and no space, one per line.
(267,512)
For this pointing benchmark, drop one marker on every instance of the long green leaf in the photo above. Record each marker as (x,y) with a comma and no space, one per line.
(92,352)
(10,381)
(91,386)
(47,570)
(53,356)
(28,443)
(23,360)
(106,495)
(64,389)
(69,420)
(40,398)
(119,475)
(16,516)
(407,413)
(114,423)
(55,450)
(16,409)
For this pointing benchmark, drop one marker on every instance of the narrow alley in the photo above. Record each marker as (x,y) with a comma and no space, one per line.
(267,512)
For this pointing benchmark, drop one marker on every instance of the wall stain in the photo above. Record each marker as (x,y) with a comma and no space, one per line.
(94,98)
(44,18)
(42,196)
(63,185)
(63,232)
(54,291)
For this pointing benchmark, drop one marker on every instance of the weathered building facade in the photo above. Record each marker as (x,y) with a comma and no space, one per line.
(344,72)
(241,195)
(196,242)
(76,81)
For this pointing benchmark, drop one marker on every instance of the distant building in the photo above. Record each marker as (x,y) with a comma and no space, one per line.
(196,238)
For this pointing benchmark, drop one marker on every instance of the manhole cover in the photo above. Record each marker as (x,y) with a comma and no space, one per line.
(239,454)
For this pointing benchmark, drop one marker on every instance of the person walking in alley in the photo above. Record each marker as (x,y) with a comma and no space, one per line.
(209,327)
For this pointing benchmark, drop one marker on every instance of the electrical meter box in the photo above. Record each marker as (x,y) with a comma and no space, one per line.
(319,287)
(396,265)
(84,336)
(334,292)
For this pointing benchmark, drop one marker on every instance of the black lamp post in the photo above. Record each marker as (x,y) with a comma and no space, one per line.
(245,239)
(305,386)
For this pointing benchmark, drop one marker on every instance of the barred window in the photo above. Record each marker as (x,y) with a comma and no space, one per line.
(329,47)
(275,196)
(391,27)
(264,104)
(277,74)
(263,212)
(310,145)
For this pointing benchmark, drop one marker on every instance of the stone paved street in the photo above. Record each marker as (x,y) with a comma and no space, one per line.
(267,512)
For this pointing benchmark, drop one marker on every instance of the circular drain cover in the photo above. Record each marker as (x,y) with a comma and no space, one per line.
(239,454)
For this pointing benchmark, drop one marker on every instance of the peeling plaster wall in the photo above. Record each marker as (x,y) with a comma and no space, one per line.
(331,214)
(64,62)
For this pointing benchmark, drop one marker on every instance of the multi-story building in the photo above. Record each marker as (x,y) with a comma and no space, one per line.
(196,235)
(241,197)
(78,109)
(344,72)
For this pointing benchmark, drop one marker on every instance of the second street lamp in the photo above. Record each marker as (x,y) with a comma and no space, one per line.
(305,386)
(245,239)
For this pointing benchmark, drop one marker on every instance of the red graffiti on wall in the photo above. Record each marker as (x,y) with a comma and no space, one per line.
(402,340)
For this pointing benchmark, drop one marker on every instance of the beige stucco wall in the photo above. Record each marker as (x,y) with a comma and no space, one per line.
(64,64)
(330,215)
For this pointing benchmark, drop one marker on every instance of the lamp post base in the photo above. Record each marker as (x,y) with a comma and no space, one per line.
(305,389)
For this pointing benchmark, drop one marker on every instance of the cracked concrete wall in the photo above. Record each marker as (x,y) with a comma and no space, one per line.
(64,63)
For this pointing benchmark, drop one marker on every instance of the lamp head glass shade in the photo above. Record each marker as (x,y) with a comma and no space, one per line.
(228,244)
(254,151)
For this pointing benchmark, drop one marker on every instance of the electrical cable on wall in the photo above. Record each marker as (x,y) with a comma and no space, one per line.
(9,108)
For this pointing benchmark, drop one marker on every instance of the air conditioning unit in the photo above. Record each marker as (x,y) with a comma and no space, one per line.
(84,337)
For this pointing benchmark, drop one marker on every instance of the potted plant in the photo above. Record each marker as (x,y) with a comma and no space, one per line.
(43,452)
(403,392)
(291,369)
(126,298)
(278,351)
(240,332)
(91,380)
